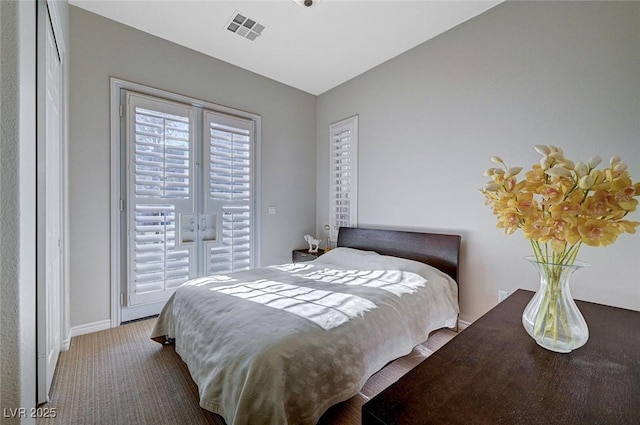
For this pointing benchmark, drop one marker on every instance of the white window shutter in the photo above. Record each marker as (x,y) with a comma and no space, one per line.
(160,185)
(162,143)
(229,154)
(159,266)
(343,201)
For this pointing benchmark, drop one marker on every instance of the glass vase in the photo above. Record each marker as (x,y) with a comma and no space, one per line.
(552,317)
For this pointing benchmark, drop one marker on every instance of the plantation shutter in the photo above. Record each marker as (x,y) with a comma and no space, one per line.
(229,193)
(343,175)
(189,206)
(161,188)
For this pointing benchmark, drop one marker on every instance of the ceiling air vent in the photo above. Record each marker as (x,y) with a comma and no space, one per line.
(245,27)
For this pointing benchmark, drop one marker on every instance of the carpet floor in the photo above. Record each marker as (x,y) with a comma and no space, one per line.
(121,377)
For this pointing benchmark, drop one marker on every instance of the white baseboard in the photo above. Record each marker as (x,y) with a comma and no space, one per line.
(66,344)
(90,328)
(462,325)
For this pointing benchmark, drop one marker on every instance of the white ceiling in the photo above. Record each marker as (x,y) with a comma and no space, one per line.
(311,48)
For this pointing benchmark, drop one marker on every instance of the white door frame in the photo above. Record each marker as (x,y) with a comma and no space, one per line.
(118,264)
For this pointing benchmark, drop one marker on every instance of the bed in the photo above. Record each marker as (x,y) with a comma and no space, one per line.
(280,345)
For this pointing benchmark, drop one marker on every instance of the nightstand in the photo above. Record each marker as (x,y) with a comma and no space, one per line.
(301,255)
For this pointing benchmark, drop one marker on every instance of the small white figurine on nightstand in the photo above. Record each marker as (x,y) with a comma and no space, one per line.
(313,243)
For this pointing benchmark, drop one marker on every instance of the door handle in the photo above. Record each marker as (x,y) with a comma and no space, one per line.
(209,226)
(187,228)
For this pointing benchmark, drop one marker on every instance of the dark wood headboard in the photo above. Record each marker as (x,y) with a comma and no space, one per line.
(438,250)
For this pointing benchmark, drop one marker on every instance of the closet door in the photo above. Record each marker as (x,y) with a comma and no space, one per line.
(161,211)
(50,210)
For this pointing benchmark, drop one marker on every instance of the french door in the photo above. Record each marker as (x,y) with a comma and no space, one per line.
(189,183)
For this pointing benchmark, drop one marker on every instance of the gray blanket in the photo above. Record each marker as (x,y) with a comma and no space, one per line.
(281,344)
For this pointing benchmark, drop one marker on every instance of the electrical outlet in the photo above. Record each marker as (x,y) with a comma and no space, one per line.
(502,295)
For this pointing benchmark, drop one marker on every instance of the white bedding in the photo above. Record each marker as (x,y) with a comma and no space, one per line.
(281,344)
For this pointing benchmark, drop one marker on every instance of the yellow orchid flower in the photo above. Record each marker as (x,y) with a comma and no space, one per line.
(597,232)
(628,226)
(561,202)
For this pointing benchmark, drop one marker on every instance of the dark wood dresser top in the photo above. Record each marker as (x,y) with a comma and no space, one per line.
(494,373)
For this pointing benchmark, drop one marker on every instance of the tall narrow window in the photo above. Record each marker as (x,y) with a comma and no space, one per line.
(343,198)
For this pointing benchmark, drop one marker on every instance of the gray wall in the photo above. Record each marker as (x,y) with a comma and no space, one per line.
(520,74)
(100,49)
